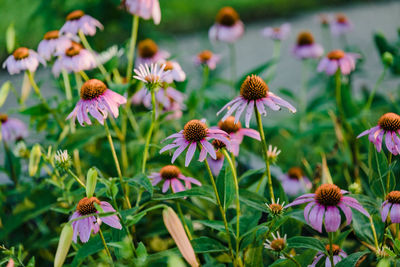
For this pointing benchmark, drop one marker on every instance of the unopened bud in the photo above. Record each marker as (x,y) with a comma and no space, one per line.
(34,159)
(355,188)
(387,58)
(63,245)
(91,180)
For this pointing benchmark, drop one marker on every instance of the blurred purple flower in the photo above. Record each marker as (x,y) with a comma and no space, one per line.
(338,255)
(335,59)
(228,26)
(148,53)
(208,58)
(294,182)
(53,43)
(78,21)
(306,47)
(341,25)
(23,59)
(172,176)
(145,9)
(391,207)
(277,33)
(12,129)
(175,72)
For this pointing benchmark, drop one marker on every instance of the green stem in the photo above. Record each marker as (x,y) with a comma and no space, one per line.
(338,91)
(397,231)
(265,150)
(384,235)
(149,133)
(232,53)
(67,85)
(178,205)
(292,259)
(377,84)
(84,75)
(114,154)
(131,54)
(105,246)
(374,233)
(388,175)
(260,182)
(78,80)
(330,234)
(76,178)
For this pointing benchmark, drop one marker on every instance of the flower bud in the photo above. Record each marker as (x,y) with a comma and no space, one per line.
(91,180)
(176,230)
(355,188)
(62,160)
(63,245)
(34,159)
(387,58)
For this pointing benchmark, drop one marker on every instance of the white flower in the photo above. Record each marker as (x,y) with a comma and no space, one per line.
(152,76)
(272,153)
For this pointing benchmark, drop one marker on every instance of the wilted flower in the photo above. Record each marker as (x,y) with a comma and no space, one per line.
(53,43)
(277,244)
(145,9)
(323,207)
(207,58)
(152,77)
(335,59)
(62,160)
(74,59)
(12,129)
(389,125)
(254,93)
(391,207)
(341,24)
(98,100)
(23,59)
(306,47)
(228,27)
(294,182)
(193,134)
(172,176)
(277,33)
(175,72)
(83,227)
(338,255)
(272,153)
(276,208)
(78,21)
(148,53)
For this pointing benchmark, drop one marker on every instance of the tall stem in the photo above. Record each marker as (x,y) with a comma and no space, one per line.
(377,84)
(330,234)
(149,133)
(338,91)
(292,259)
(105,245)
(67,85)
(132,44)
(232,53)
(77,179)
(114,154)
(178,205)
(265,150)
(374,232)
(84,75)
(388,175)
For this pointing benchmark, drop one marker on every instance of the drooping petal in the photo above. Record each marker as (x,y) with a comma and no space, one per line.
(166,186)
(210,149)
(347,212)
(395,213)
(385,210)
(190,153)
(352,202)
(249,112)
(179,151)
(332,219)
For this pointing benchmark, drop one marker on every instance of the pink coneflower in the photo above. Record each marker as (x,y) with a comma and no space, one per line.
(153,76)
(335,59)
(23,59)
(217,163)
(323,206)
(195,133)
(172,176)
(74,59)
(145,9)
(228,27)
(98,100)
(236,133)
(175,72)
(391,207)
(294,182)
(306,47)
(389,125)
(254,92)
(78,21)
(207,58)
(338,255)
(277,33)
(341,25)
(53,43)
(84,227)
(324,19)
(148,53)
(12,129)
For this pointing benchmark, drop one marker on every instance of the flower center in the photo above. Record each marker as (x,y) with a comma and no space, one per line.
(229,125)
(227,16)
(278,244)
(74,15)
(86,205)
(169,172)
(295,173)
(393,197)
(335,249)
(324,19)
(147,48)
(328,195)
(195,131)
(341,18)
(151,78)
(51,35)
(219,155)
(3,118)
(253,88)
(218,144)
(205,55)
(335,54)
(168,66)
(21,53)
(276,29)
(390,122)
(73,50)
(92,89)
(275,208)
(305,38)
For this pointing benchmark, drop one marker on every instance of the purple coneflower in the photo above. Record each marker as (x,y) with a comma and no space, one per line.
(148,53)
(254,92)
(53,44)
(338,255)
(207,58)
(228,27)
(152,76)
(145,9)
(389,125)
(74,59)
(172,176)
(335,59)
(12,129)
(98,100)
(277,33)
(294,182)
(23,59)
(306,47)
(391,207)
(341,24)
(84,227)
(323,206)
(193,134)
(175,72)
(78,21)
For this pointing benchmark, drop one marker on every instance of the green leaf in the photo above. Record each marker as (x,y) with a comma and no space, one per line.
(306,242)
(304,259)
(351,260)
(254,257)
(31,262)
(141,255)
(217,225)
(4,90)
(10,38)
(93,246)
(225,186)
(207,245)
(253,200)
(204,191)
(142,180)
(342,237)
